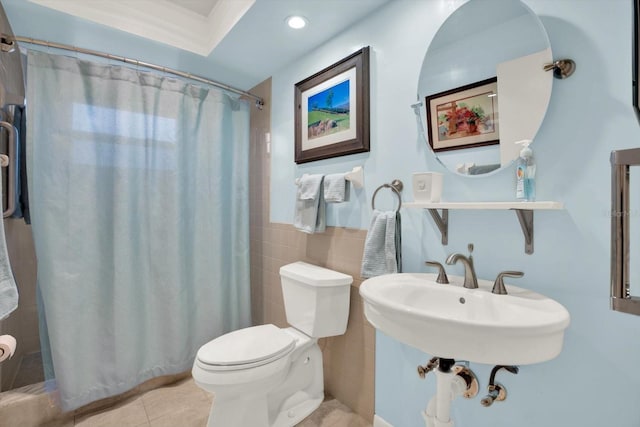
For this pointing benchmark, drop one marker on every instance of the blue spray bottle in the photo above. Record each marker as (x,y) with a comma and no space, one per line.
(525,173)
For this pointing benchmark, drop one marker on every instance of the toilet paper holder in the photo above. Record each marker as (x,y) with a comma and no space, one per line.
(7,347)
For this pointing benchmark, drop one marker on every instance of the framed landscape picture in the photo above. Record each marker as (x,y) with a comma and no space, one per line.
(464,117)
(332,110)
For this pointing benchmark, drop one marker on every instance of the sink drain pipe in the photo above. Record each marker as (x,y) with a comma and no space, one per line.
(449,385)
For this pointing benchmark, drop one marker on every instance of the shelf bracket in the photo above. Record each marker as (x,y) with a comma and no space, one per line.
(442,222)
(525,217)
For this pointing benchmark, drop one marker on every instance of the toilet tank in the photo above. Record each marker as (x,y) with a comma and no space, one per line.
(316,299)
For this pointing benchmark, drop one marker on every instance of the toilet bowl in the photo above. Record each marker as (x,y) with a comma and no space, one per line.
(265,376)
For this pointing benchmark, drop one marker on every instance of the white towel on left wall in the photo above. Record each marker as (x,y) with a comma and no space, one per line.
(8,288)
(310,207)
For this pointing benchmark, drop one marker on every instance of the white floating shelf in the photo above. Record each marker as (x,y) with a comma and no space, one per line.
(487,205)
(524,212)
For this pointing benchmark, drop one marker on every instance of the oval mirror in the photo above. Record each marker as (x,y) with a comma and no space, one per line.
(482,85)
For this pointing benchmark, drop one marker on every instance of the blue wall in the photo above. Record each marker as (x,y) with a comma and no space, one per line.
(593,382)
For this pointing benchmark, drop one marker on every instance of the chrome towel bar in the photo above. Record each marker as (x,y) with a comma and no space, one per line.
(621,298)
(355,176)
(11,160)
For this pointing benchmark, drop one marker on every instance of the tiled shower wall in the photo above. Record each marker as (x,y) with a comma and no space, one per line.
(23,322)
(348,359)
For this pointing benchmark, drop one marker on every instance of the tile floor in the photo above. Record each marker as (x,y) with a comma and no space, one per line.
(186,405)
(332,413)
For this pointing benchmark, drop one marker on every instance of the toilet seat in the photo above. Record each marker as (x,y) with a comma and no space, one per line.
(245,348)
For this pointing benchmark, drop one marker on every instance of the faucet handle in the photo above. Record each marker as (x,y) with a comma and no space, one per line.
(442,274)
(498,285)
(424,370)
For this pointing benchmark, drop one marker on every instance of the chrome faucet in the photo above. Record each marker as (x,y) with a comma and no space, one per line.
(470,279)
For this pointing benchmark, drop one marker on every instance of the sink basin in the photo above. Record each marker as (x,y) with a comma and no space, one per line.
(451,321)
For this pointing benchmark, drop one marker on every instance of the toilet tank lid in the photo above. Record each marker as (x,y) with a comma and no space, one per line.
(313,275)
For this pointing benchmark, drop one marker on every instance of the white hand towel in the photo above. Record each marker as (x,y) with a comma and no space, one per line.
(8,288)
(309,186)
(309,215)
(382,245)
(336,188)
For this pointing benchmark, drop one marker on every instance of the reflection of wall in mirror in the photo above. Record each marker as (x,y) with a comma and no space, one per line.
(460,62)
(522,84)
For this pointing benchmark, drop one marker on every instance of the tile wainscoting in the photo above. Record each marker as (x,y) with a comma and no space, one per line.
(349,359)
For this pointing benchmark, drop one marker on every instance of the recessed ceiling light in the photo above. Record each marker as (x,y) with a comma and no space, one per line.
(296,22)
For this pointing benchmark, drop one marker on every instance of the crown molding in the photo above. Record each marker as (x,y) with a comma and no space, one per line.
(160,20)
(223,17)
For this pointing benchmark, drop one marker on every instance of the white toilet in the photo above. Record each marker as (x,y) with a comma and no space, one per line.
(265,376)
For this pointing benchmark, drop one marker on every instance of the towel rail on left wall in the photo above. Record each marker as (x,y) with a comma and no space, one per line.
(10,161)
(356,177)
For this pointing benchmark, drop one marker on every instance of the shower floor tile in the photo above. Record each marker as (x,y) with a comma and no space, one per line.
(186,405)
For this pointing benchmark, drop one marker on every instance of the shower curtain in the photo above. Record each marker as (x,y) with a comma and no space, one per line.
(138,186)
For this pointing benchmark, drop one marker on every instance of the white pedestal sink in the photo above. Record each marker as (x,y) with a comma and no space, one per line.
(450,321)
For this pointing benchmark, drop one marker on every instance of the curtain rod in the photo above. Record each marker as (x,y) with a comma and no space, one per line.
(259,100)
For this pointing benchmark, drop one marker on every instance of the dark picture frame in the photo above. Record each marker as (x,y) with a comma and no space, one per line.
(464,117)
(636,58)
(332,110)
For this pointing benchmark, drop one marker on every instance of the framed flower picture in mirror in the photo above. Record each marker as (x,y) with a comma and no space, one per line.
(464,117)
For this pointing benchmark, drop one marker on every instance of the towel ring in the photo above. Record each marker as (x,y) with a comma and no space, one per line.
(396,186)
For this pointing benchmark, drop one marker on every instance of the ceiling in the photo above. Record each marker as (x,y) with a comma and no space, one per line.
(248,36)
(202,7)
